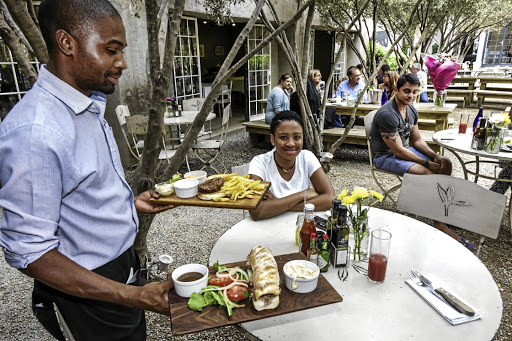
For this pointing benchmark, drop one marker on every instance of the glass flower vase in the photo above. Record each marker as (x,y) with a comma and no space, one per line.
(493,140)
(359,238)
(439,97)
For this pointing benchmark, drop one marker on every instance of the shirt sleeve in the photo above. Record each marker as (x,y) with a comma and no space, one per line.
(31,177)
(257,167)
(312,162)
(388,122)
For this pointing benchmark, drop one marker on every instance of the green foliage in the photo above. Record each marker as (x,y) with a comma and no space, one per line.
(220,10)
(380,52)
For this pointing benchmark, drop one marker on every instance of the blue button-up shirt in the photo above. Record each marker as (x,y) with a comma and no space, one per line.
(62,182)
(348,91)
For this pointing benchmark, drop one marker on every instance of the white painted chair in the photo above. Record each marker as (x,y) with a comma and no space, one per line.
(241,170)
(207,151)
(138,125)
(454,201)
(386,191)
(135,145)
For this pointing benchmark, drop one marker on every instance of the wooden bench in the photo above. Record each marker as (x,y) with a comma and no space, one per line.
(259,130)
(482,94)
(466,94)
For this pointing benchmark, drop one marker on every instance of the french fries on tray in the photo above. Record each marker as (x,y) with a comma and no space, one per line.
(238,187)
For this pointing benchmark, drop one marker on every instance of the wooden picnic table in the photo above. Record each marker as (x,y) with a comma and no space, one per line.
(426,111)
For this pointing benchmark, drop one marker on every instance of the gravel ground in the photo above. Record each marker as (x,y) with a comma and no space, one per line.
(187,233)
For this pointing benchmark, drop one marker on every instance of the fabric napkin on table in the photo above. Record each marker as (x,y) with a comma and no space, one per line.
(444,309)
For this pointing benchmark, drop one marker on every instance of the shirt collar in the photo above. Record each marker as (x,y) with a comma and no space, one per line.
(68,95)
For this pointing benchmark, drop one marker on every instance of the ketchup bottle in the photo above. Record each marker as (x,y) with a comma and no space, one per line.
(308,227)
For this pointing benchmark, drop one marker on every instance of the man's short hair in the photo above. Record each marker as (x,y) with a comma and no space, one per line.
(407,78)
(385,67)
(77,17)
(351,70)
(416,66)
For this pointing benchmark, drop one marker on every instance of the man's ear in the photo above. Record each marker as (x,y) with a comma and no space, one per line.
(65,42)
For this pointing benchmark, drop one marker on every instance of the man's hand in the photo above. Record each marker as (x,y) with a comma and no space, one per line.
(144,205)
(434,167)
(153,297)
(441,161)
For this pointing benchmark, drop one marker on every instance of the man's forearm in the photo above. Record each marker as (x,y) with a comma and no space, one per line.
(423,147)
(61,273)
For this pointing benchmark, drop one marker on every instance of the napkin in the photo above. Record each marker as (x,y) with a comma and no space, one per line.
(449,313)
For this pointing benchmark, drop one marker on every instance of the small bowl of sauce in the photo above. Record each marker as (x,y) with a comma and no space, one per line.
(190,278)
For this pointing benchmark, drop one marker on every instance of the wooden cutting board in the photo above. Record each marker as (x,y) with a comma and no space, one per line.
(245,203)
(185,320)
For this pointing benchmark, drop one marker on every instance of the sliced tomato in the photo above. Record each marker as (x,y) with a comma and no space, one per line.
(220,281)
(237,293)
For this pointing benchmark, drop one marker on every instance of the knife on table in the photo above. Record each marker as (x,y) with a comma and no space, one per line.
(449,298)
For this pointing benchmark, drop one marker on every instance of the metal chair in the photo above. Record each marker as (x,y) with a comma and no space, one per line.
(207,151)
(193,104)
(134,144)
(368,119)
(453,201)
(138,125)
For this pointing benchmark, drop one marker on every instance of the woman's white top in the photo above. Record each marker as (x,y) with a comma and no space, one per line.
(264,166)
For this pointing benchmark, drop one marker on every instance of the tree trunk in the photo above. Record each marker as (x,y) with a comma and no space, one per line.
(338,142)
(19,11)
(17,51)
(159,81)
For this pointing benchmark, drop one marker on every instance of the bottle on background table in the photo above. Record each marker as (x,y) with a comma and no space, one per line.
(323,255)
(312,254)
(477,118)
(384,98)
(308,227)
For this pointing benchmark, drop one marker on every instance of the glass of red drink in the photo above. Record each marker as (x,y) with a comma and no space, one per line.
(463,124)
(379,254)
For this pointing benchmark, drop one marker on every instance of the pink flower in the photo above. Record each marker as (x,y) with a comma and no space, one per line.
(441,75)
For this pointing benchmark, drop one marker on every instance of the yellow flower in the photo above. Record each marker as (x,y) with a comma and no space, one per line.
(359,193)
(507,118)
(377,195)
(342,194)
(348,200)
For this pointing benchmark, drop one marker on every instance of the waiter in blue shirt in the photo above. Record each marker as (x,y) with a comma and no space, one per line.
(69,217)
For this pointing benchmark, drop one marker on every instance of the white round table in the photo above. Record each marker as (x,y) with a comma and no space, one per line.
(187,117)
(387,311)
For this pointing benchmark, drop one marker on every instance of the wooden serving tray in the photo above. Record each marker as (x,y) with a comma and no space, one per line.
(185,320)
(245,203)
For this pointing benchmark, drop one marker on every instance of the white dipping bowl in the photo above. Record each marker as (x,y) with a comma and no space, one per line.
(164,188)
(199,175)
(186,188)
(304,285)
(185,289)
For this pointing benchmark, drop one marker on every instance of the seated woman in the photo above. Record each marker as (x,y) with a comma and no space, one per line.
(279,98)
(390,78)
(314,97)
(289,169)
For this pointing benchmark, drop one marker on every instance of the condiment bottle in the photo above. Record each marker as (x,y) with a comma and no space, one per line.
(480,134)
(312,254)
(339,243)
(308,227)
(323,255)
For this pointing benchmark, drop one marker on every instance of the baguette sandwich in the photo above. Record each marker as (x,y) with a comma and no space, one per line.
(265,278)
